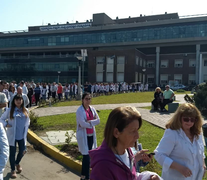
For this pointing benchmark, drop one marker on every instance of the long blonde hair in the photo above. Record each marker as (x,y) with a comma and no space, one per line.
(189,110)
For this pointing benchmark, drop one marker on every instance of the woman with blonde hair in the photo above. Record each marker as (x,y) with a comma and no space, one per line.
(181,150)
(158,98)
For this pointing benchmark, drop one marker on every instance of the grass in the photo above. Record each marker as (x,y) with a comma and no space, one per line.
(139,97)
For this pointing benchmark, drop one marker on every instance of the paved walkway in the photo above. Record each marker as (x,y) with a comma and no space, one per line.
(37,166)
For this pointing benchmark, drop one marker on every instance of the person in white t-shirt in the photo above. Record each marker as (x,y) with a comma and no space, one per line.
(3,99)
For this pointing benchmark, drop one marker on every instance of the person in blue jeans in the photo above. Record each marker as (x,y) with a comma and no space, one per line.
(16,120)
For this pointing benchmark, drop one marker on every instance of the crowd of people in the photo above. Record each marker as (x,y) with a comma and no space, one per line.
(180,152)
(34,92)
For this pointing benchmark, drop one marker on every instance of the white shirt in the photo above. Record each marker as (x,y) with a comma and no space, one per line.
(124,158)
(24,89)
(3,99)
(174,146)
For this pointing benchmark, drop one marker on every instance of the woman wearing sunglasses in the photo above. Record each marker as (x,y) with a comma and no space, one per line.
(87,118)
(181,150)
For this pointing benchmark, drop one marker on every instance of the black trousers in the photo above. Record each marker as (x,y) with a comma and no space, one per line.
(165,102)
(37,98)
(156,103)
(86,159)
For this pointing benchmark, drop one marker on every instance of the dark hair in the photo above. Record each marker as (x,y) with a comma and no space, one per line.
(2,82)
(13,105)
(120,118)
(10,88)
(85,94)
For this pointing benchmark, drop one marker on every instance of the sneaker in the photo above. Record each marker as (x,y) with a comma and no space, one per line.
(13,174)
(19,169)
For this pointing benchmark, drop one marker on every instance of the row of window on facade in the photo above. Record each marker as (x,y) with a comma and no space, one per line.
(40,66)
(144,34)
(178,63)
(150,78)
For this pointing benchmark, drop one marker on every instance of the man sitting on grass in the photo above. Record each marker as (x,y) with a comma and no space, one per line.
(167,97)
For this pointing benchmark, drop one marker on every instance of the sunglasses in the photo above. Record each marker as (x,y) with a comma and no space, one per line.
(187,119)
(87,99)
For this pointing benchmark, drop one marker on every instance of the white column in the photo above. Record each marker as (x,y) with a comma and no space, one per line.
(157,65)
(197,62)
(200,69)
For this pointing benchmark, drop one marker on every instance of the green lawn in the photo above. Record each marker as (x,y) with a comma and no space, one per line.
(139,97)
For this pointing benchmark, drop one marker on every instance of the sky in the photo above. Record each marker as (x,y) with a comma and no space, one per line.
(19,14)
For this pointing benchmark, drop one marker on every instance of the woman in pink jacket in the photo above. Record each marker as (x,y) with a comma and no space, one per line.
(114,159)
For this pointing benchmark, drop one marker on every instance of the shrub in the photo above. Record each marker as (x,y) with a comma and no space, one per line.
(200,98)
(69,137)
(180,90)
(33,122)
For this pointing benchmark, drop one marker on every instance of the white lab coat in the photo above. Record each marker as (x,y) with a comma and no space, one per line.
(11,131)
(174,146)
(81,134)
(4,149)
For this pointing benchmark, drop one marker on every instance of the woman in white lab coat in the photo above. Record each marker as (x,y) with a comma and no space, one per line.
(87,118)
(181,150)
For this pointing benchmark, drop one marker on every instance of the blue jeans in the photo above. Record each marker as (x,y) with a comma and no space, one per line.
(12,153)
(59,96)
(86,159)
(66,95)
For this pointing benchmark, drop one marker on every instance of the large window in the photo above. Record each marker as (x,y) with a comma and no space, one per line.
(164,64)
(150,79)
(120,68)
(178,78)
(192,62)
(191,79)
(109,69)
(205,62)
(178,63)
(99,68)
(150,64)
(163,79)
(117,36)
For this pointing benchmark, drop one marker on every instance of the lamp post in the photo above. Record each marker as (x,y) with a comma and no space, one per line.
(143,70)
(58,75)
(79,57)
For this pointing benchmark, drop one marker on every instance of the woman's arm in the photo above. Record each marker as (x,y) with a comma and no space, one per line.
(95,121)
(4,148)
(164,149)
(4,117)
(80,119)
